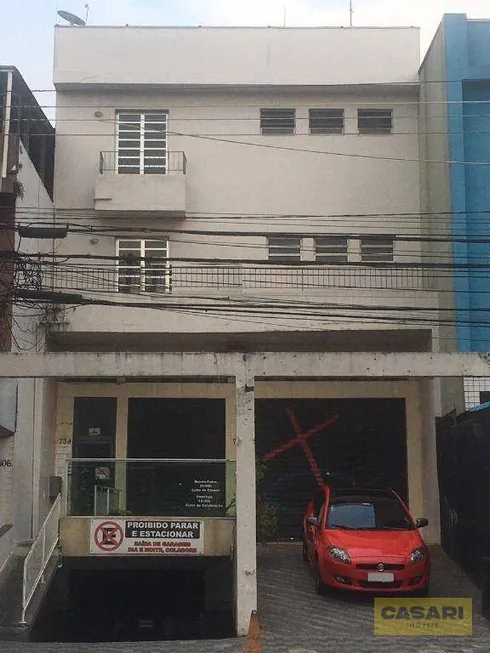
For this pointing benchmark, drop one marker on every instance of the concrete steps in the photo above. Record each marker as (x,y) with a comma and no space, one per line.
(11,626)
(11,594)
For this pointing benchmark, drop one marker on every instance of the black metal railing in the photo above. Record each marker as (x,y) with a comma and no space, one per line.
(177,277)
(167,162)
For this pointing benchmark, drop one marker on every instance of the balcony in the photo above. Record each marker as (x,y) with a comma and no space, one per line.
(146,189)
(180,279)
(169,497)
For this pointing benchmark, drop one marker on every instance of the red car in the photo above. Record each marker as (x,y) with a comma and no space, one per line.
(365,540)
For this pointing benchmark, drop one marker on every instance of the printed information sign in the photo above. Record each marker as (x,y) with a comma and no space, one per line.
(146,537)
(435,617)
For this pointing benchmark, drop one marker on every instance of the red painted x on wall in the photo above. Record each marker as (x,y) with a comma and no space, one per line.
(301,439)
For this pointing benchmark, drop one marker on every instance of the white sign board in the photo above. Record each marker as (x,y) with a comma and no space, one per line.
(146,537)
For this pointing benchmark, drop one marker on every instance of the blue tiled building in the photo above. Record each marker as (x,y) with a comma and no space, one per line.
(455,127)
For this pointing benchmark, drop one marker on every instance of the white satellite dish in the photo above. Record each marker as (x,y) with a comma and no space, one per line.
(71,18)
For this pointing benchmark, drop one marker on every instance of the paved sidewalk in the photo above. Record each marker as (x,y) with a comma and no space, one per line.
(204,646)
(296,620)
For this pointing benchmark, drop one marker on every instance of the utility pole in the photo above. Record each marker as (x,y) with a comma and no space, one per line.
(351,12)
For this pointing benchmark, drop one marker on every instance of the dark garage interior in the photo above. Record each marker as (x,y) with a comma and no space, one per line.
(350,439)
(97,601)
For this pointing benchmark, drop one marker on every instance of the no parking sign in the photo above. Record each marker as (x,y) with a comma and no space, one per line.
(146,537)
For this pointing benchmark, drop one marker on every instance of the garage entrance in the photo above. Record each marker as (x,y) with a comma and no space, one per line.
(94,600)
(299,442)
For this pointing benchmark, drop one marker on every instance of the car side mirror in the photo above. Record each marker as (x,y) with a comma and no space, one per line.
(420,523)
(313,521)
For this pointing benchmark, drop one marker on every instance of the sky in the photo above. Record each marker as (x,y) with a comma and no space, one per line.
(26,26)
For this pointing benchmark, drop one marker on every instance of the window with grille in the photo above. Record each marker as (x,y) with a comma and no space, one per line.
(284,249)
(143,266)
(326,121)
(377,249)
(141,143)
(331,249)
(375,121)
(277,121)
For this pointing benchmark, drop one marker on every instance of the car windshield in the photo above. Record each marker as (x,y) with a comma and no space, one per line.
(368,513)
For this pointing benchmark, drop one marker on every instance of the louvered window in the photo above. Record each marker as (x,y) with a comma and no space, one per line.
(142,143)
(375,121)
(143,266)
(277,121)
(283,249)
(377,249)
(326,121)
(331,249)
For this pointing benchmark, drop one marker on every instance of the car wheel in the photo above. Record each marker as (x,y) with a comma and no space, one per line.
(304,552)
(320,586)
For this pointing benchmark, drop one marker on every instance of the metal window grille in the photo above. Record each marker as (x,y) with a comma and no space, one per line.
(375,121)
(277,121)
(284,248)
(142,143)
(143,266)
(331,249)
(377,249)
(326,121)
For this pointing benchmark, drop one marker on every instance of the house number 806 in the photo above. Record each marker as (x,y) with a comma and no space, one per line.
(5,463)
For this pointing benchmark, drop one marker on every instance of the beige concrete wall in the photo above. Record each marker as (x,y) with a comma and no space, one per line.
(436,204)
(234,170)
(230,55)
(148,321)
(6,455)
(160,194)
(31,446)
(238,177)
(434,175)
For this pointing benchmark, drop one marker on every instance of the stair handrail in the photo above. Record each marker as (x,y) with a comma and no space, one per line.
(34,564)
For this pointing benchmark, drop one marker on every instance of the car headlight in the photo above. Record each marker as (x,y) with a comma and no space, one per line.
(417,555)
(339,555)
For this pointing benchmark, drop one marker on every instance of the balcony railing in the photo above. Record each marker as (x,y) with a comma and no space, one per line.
(150,487)
(118,162)
(175,278)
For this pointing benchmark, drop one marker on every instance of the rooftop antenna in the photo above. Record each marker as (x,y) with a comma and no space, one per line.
(87,7)
(285,15)
(351,12)
(71,18)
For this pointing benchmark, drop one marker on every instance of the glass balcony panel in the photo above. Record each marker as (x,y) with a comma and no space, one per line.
(190,488)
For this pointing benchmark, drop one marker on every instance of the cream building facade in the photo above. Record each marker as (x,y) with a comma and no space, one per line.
(232,191)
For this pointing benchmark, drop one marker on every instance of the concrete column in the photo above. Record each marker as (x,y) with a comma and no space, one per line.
(6,462)
(44,427)
(414,450)
(121,446)
(430,487)
(246,553)
(22,471)
(37,433)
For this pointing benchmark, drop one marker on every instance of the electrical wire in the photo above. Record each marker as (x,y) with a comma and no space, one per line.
(399,237)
